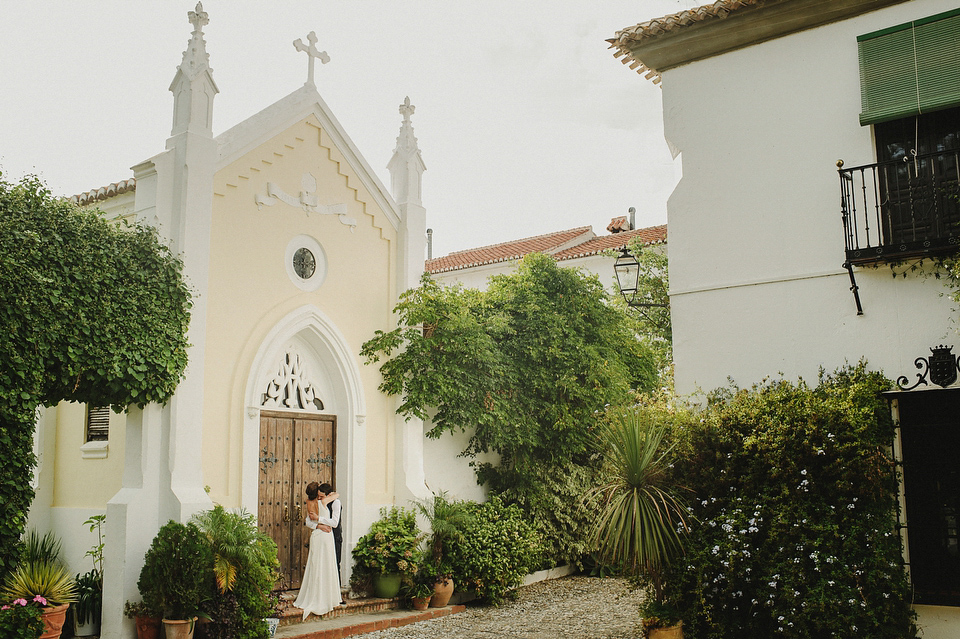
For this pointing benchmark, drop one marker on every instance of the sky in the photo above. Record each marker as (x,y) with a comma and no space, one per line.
(526,122)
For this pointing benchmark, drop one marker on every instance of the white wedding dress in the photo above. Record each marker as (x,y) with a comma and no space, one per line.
(320,588)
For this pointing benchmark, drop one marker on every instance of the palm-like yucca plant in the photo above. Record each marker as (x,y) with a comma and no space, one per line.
(447,520)
(39,548)
(235,541)
(642,522)
(47,579)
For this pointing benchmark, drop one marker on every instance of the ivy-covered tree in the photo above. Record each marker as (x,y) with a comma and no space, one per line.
(90,311)
(524,366)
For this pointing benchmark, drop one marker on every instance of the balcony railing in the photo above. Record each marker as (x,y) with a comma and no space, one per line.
(901,209)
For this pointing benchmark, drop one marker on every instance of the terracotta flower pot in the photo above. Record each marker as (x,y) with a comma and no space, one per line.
(421,603)
(148,627)
(179,628)
(53,619)
(442,592)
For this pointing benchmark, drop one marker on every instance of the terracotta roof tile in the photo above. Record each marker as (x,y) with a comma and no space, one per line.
(104,192)
(563,245)
(514,250)
(648,236)
(624,38)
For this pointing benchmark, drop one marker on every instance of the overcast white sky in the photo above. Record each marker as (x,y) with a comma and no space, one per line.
(526,122)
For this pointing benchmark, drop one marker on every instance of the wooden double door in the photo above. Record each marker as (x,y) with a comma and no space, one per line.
(295,449)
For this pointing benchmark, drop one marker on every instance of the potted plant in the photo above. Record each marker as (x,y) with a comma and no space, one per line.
(21,619)
(46,584)
(385,556)
(176,577)
(87,608)
(447,519)
(641,522)
(420,593)
(147,620)
(245,569)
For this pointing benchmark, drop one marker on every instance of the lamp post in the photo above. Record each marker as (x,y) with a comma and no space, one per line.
(627,269)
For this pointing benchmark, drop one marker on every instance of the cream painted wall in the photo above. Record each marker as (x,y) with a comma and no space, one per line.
(251,291)
(79,482)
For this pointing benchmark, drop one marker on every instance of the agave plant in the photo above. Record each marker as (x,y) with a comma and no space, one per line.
(46,579)
(39,548)
(642,522)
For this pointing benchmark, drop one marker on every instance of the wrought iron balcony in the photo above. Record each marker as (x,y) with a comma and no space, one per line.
(901,209)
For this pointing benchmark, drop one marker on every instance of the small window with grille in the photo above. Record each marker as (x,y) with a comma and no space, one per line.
(98,423)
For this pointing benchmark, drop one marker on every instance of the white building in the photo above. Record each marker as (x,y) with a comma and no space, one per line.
(760,101)
(296,254)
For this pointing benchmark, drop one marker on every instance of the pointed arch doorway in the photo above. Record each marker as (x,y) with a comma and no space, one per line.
(303,382)
(296,449)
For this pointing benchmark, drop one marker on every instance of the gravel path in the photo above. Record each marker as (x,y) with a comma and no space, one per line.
(576,607)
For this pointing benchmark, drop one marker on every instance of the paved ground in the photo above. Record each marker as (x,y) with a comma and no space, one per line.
(574,607)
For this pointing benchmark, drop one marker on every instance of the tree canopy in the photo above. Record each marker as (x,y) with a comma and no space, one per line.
(91,311)
(523,366)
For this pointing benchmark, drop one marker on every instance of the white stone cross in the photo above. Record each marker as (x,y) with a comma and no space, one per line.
(312,52)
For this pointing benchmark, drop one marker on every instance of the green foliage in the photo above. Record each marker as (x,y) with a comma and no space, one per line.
(45,549)
(134,609)
(642,522)
(523,366)
(389,547)
(90,585)
(46,579)
(498,549)
(21,620)
(447,520)
(652,323)
(245,566)
(795,509)
(177,574)
(91,312)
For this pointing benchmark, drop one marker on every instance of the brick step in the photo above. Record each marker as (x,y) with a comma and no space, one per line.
(290,615)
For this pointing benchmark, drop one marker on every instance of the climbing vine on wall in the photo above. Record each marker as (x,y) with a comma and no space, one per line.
(90,311)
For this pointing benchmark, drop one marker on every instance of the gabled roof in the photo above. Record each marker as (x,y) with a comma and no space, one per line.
(562,245)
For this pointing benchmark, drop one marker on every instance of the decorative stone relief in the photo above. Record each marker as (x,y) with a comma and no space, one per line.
(291,387)
(307,200)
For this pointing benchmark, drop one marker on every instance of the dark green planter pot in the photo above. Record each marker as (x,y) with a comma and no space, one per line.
(386,586)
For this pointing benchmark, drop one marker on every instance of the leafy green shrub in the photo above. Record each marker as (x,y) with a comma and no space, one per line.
(498,549)
(795,514)
(177,574)
(104,310)
(391,546)
(21,620)
(244,565)
(245,568)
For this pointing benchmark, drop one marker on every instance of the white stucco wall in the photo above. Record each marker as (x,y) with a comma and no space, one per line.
(756,243)
(756,239)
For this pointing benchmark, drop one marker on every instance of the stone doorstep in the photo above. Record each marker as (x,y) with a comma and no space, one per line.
(290,615)
(361,623)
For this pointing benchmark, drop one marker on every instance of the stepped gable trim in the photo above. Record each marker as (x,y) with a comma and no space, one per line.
(649,236)
(104,192)
(660,44)
(513,250)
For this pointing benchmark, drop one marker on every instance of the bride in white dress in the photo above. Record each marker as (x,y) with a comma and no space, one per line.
(320,588)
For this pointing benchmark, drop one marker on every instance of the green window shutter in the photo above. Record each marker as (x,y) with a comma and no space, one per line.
(910,68)
(938,63)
